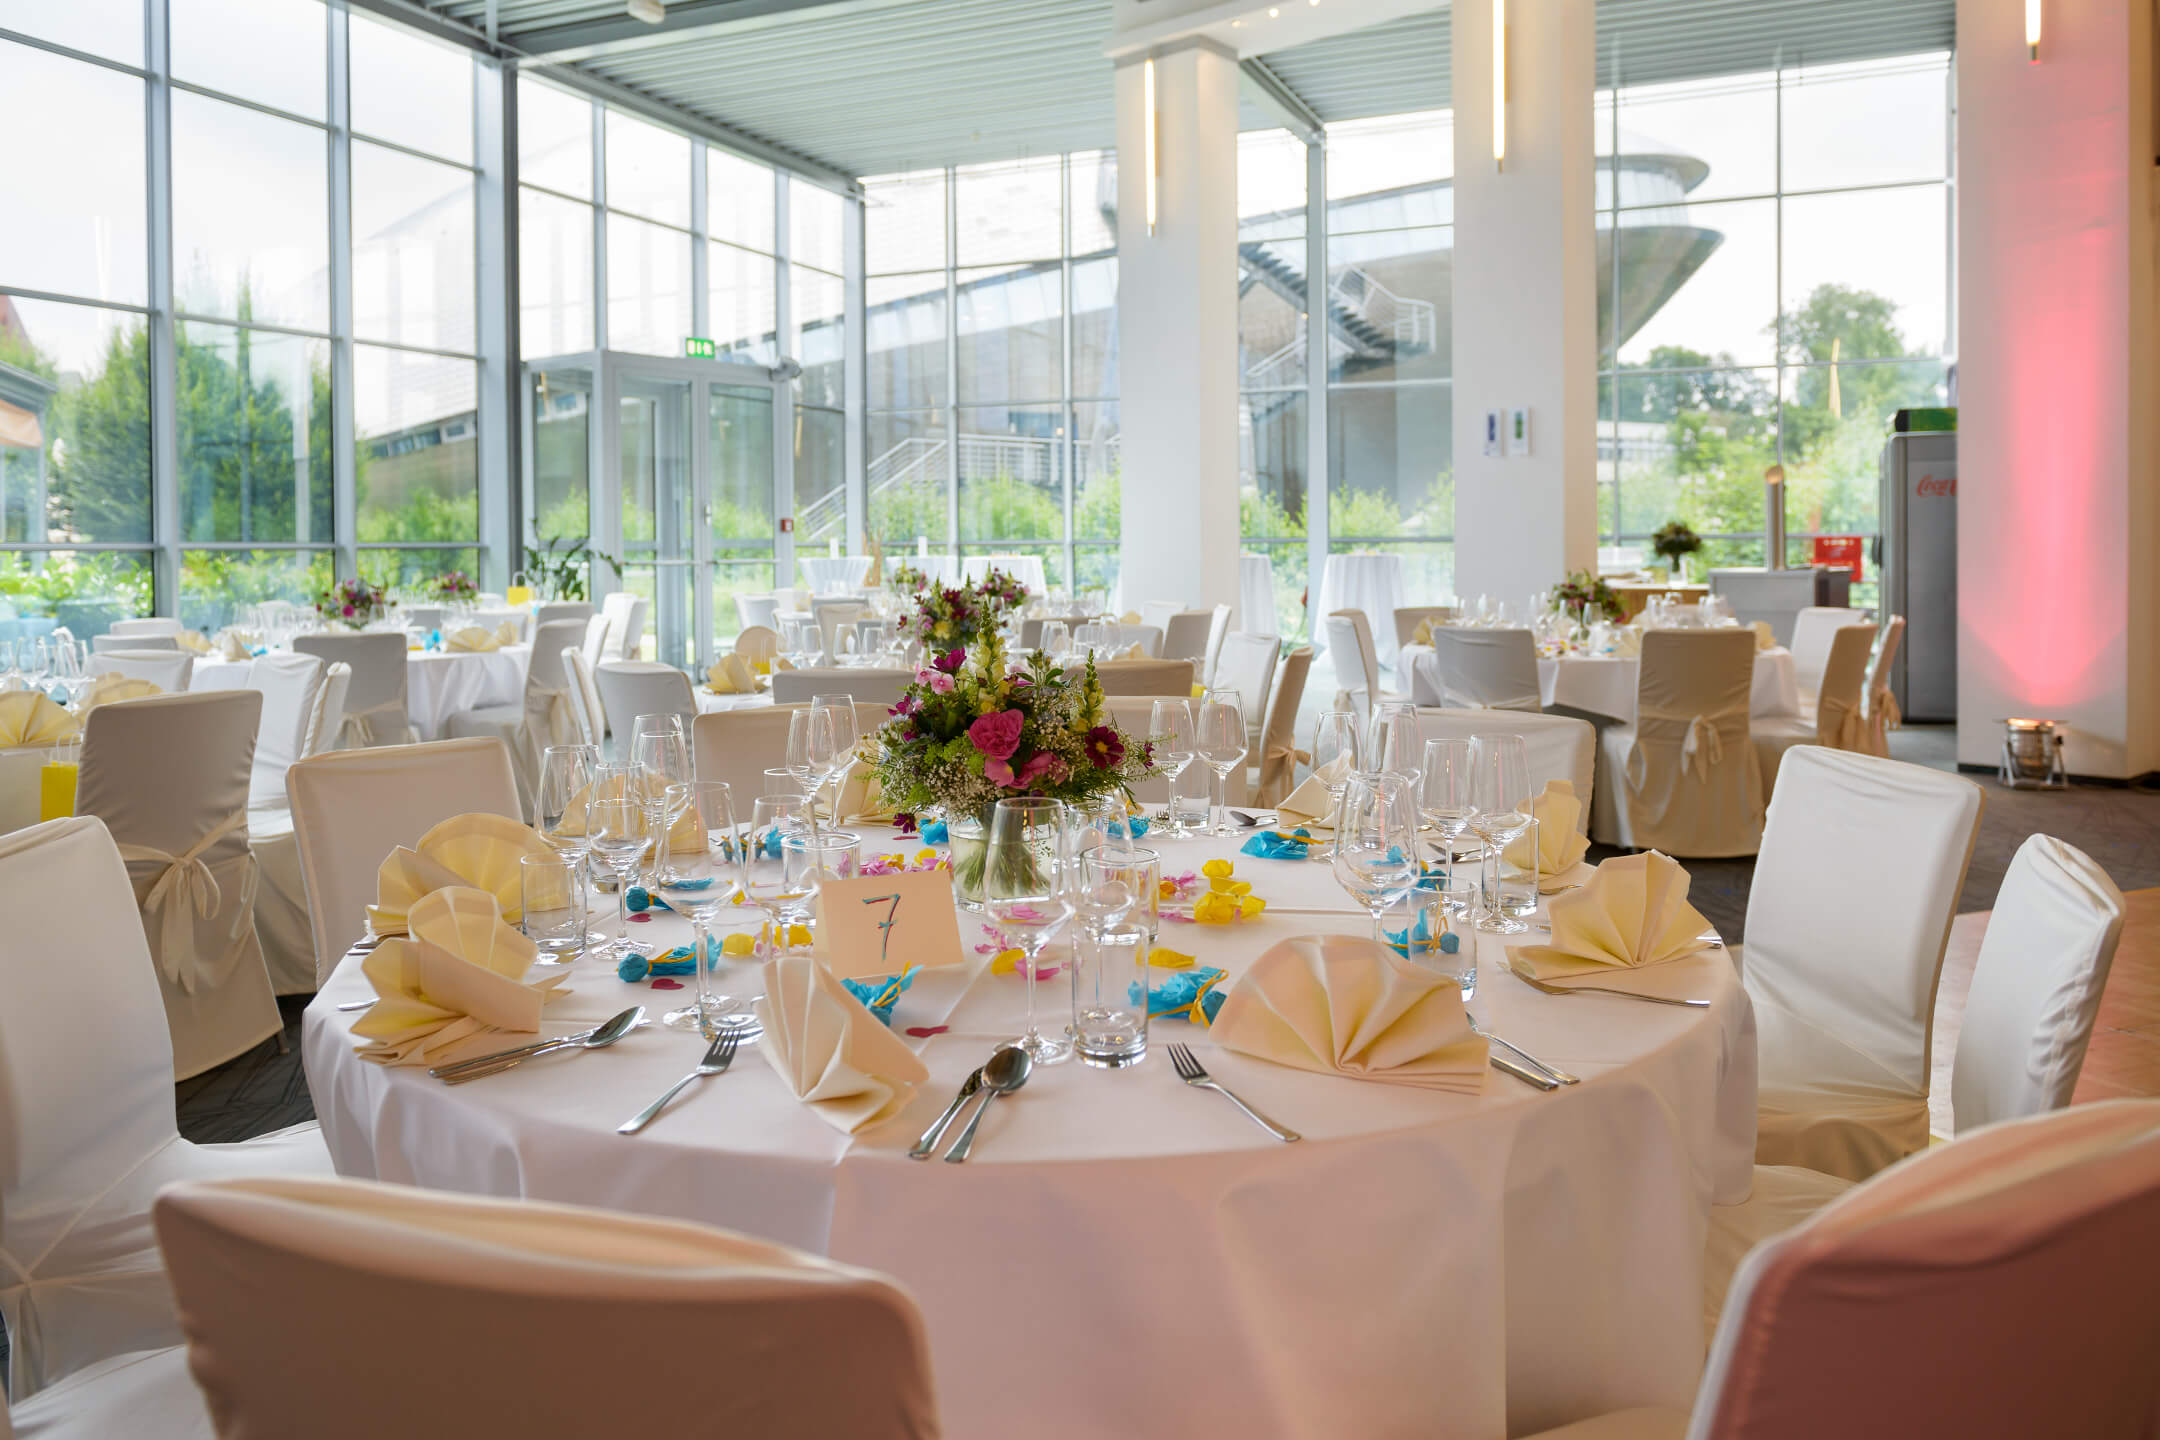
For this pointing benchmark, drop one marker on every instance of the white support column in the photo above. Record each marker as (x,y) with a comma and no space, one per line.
(501,384)
(1177,329)
(1525,287)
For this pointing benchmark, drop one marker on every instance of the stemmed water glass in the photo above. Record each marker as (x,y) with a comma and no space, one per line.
(810,745)
(660,750)
(1170,730)
(1500,788)
(699,883)
(1376,842)
(1396,746)
(562,799)
(1023,889)
(36,657)
(620,831)
(1335,752)
(1056,639)
(1446,795)
(842,735)
(1219,737)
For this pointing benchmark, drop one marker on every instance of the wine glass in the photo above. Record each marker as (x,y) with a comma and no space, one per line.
(1023,891)
(699,884)
(1335,751)
(1376,842)
(562,799)
(1056,639)
(1500,780)
(1219,737)
(1170,730)
(1396,746)
(620,831)
(809,745)
(659,749)
(844,735)
(36,660)
(1446,795)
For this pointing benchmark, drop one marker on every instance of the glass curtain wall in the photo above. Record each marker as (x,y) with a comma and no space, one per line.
(991,318)
(1775,279)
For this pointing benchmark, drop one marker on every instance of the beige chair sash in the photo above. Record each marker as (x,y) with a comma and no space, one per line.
(1701,746)
(359,726)
(188,883)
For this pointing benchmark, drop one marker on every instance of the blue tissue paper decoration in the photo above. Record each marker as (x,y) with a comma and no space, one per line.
(1420,937)
(878,996)
(769,844)
(1271,845)
(681,960)
(1176,997)
(934,832)
(1137,826)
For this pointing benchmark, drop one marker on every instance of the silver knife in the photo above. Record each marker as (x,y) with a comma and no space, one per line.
(921,1149)
(1523,1073)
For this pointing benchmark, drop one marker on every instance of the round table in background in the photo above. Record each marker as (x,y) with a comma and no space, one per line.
(1125,1255)
(1371,583)
(1605,684)
(833,574)
(438,683)
(1256,596)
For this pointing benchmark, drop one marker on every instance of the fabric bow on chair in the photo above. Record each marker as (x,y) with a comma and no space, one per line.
(185,884)
(359,731)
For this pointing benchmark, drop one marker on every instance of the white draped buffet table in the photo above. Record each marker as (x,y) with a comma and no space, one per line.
(438,683)
(1124,1255)
(1605,684)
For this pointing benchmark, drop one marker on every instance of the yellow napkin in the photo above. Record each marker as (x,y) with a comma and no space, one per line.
(113,685)
(781,662)
(874,577)
(452,989)
(1560,845)
(830,1051)
(861,801)
(731,675)
(1131,617)
(1346,1005)
(192,640)
(1634,912)
(683,836)
(470,639)
(477,850)
(29,717)
(1423,634)
(1764,640)
(1134,651)
(236,645)
(1310,804)
(506,633)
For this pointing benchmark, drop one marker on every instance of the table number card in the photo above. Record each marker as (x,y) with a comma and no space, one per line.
(877,925)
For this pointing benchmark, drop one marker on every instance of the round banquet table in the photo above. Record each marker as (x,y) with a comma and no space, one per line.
(1256,596)
(1605,684)
(438,683)
(1367,582)
(832,574)
(1123,1254)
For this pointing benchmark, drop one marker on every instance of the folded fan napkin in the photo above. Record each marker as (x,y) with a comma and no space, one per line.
(1632,913)
(1310,805)
(235,645)
(830,1051)
(29,717)
(453,988)
(731,675)
(507,633)
(1765,639)
(859,800)
(192,641)
(1279,845)
(471,639)
(113,685)
(1131,617)
(1343,1004)
(1560,846)
(1423,634)
(477,850)
(683,836)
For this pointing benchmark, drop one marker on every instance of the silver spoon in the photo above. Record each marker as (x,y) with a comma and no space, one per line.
(1003,1072)
(600,1039)
(921,1149)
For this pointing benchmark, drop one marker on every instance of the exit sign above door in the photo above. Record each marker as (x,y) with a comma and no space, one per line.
(697,347)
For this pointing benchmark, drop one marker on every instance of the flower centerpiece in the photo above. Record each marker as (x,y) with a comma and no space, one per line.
(1585,592)
(1673,543)
(972,730)
(907,579)
(454,587)
(351,603)
(958,617)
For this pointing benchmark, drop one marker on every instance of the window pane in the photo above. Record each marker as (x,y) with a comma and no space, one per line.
(554,138)
(1701,140)
(1270,184)
(654,431)
(740,307)
(561,403)
(1271,314)
(85,591)
(738,200)
(908,459)
(814,220)
(411,90)
(818,338)
(1094,321)
(1384,173)
(1012,474)
(904,222)
(906,319)
(1868,268)
(742,470)
(1391,479)
(1005,213)
(217,586)
(555,275)
(413,257)
(1097,466)
(1390,300)
(112,28)
(1011,335)
(648,170)
(1094,201)
(74,422)
(648,287)
(1272,492)
(255,459)
(1694,447)
(418,447)
(1715,270)
(251,216)
(1868,123)
(1835,418)
(274,52)
(820,477)
(404,569)
(74,211)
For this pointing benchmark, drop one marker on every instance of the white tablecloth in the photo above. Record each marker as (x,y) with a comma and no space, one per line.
(1371,583)
(707,702)
(1127,1256)
(438,683)
(1605,684)
(830,574)
(1256,596)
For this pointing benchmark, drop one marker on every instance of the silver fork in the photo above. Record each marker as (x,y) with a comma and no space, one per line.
(1531,1060)
(1192,1072)
(717,1058)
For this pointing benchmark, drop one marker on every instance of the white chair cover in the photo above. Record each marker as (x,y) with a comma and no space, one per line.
(1141,677)
(872,684)
(1185,632)
(739,746)
(329,718)
(625,614)
(1276,767)
(111,643)
(424,617)
(591,715)
(2036,985)
(1862,861)
(351,808)
(1159,613)
(375,699)
(291,689)
(343,1309)
(757,612)
(169,670)
(86,1077)
(165,625)
(146,1393)
(1813,630)
(1218,627)
(1882,706)
(1247,665)
(546,715)
(169,777)
(594,645)
(630,688)
(832,616)
(1836,722)
(1487,669)
(562,610)
(1357,663)
(757,642)
(1559,747)
(1684,777)
(281,909)
(1409,617)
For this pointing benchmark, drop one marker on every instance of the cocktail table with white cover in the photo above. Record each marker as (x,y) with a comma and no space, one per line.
(438,683)
(833,574)
(1605,684)
(1368,582)
(1256,596)
(1125,1255)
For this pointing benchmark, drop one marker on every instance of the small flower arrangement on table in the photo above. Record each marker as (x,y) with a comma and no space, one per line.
(912,579)
(454,587)
(957,617)
(1673,543)
(1584,592)
(351,603)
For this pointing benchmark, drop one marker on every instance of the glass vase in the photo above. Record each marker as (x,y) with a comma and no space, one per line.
(968,837)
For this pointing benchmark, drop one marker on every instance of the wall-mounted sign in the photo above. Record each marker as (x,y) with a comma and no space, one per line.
(697,347)
(1839,552)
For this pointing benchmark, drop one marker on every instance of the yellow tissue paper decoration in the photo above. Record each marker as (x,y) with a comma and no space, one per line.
(1163,959)
(1217,869)
(1006,962)
(742,942)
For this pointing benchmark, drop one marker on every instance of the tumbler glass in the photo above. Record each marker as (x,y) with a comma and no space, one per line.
(554,918)
(1109,986)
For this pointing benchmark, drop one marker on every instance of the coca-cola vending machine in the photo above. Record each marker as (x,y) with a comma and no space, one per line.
(1918,560)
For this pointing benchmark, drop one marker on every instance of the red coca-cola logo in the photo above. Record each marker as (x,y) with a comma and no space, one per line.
(1937,486)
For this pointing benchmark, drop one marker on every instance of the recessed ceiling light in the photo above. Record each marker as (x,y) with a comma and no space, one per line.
(652,12)
(1272,12)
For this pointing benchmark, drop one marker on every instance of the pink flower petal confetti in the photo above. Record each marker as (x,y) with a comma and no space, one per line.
(663,983)
(924,1032)
(641,917)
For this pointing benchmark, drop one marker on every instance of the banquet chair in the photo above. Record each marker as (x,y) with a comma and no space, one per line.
(562,610)
(1814,628)
(375,700)
(1834,721)
(831,615)
(351,808)
(1683,776)
(493,619)
(1247,665)
(1558,747)
(1141,677)
(1487,669)
(1275,767)
(1409,617)
(1357,663)
(547,713)
(168,775)
(329,717)
(630,688)
(593,645)
(165,625)
(1185,632)
(757,643)
(170,670)
(739,746)
(1134,714)
(757,611)
(585,690)
(142,1394)
(291,687)
(1158,614)
(881,685)
(281,911)
(312,1306)
(111,644)
(1218,627)
(86,1080)
(1998,1286)
(625,611)
(1882,710)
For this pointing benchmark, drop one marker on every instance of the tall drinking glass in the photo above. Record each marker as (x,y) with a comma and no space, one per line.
(1219,737)
(561,799)
(809,749)
(1376,842)
(764,876)
(659,748)
(840,735)
(699,883)
(553,907)
(620,833)
(1447,793)
(1500,767)
(1396,746)
(1335,753)
(1023,891)
(807,862)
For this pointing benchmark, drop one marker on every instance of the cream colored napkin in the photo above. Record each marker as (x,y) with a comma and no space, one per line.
(1627,641)
(470,639)
(1310,804)
(113,685)
(29,717)
(731,675)
(1633,913)
(1423,634)
(1131,617)
(1346,1005)
(192,641)
(684,835)
(1560,846)
(781,662)
(506,634)
(452,989)
(1134,651)
(830,1051)
(874,577)
(860,801)
(1764,640)
(477,850)
(236,645)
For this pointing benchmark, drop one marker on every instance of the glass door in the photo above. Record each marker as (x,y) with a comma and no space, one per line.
(656,486)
